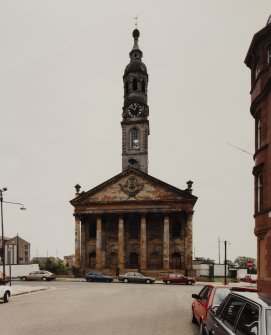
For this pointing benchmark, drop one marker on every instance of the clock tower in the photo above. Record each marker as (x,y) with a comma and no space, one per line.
(135,124)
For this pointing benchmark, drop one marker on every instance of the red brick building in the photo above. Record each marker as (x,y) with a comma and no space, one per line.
(133,220)
(258,59)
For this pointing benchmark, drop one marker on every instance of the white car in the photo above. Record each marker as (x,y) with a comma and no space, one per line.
(5,292)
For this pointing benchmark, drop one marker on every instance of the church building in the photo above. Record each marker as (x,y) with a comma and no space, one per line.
(134,221)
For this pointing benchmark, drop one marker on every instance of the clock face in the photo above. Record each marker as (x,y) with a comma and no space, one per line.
(135,110)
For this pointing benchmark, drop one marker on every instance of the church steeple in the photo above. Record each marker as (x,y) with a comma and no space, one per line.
(135,124)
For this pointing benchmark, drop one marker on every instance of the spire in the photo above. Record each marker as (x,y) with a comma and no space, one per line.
(136,53)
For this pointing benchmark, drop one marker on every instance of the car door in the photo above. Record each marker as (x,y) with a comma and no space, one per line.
(201,303)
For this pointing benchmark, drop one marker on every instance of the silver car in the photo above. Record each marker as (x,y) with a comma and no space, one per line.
(135,277)
(240,313)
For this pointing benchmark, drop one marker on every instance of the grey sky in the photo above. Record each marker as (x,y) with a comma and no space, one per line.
(61,66)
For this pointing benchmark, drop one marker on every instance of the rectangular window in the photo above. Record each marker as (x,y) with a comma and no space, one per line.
(259,192)
(258,132)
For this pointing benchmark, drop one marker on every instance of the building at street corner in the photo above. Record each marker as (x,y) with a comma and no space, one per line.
(133,220)
(258,59)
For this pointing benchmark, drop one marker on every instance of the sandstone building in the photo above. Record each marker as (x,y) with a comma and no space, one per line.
(258,59)
(133,220)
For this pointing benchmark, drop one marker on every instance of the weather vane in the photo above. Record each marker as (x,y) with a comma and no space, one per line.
(136,20)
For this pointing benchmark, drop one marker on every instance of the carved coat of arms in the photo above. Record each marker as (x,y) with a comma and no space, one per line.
(132,187)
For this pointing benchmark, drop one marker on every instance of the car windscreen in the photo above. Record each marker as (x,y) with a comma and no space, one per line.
(220,294)
(268,321)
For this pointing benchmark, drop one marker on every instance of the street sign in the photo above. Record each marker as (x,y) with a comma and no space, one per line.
(250,264)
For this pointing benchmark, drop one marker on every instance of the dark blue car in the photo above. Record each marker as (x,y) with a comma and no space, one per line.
(98,276)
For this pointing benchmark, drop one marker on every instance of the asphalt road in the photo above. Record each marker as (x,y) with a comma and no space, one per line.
(81,308)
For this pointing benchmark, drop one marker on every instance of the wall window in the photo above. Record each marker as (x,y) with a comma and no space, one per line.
(134,139)
(269,55)
(258,132)
(92,230)
(257,70)
(259,192)
(134,84)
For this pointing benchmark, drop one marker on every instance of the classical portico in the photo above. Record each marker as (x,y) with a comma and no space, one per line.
(152,231)
(133,220)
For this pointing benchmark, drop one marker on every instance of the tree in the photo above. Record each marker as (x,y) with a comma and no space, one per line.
(241,262)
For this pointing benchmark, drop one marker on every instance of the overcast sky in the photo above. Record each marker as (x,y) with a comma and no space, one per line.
(61,68)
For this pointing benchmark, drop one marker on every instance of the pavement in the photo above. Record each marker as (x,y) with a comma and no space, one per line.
(24,289)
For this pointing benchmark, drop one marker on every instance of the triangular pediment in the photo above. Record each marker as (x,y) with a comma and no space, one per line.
(133,185)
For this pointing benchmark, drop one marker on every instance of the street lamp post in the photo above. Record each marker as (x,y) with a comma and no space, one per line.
(2,228)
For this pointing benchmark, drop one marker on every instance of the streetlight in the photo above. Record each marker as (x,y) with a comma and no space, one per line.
(2,227)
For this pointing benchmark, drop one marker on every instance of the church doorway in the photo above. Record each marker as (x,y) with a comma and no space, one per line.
(113,260)
(176,262)
(92,260)
(155,261)
(133,260)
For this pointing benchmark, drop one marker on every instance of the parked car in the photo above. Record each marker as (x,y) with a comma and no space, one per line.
(2,281)
(5,292)
(211,296)
(175,278)
(39,275)
(98,276)
(135,277)
(249,279)
(241,313)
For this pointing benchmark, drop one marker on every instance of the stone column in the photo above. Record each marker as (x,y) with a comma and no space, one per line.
(143,243)
(166,243)
(98,243)
(188,235)
(121,243)
(77,243)
(83,246)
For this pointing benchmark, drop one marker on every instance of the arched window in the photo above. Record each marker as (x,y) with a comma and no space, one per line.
(134,84)
(143,86)
(134,139)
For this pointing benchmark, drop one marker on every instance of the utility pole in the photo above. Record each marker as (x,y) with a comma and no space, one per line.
(218,250)
(225,264)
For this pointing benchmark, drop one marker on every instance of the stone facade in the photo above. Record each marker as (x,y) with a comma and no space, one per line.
(133,220)
(149,230)
(258,59)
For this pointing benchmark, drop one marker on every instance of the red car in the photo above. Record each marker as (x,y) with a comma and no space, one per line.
(175,278)
(210,295)
(249,279)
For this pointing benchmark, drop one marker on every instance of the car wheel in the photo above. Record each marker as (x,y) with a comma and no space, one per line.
(189,282)
(148,281)
(108,280)
(201,329)
(6,296)
(126,280)
(43,278)
(89,279)
(23,278)
(168,282)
